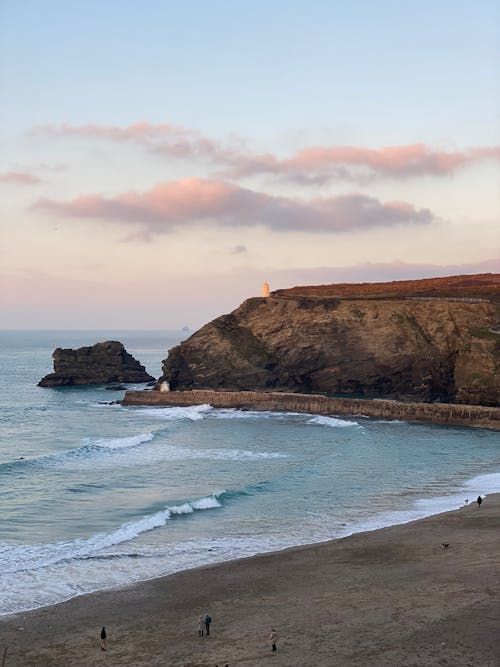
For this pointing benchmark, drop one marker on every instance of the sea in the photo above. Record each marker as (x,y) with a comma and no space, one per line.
(95,495)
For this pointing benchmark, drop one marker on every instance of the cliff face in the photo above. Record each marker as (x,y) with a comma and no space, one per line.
(98,364)
(436,350)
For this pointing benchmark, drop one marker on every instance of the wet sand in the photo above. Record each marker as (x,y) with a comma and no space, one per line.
(388,597)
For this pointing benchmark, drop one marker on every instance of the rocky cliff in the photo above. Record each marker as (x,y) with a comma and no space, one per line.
(437,349)
(98,364)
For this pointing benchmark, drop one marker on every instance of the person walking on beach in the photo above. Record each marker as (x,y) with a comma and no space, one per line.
(201,626)
(479,501)
(208,620)
(103,638)
(273,638)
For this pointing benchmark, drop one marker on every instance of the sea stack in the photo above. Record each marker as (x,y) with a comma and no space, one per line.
(97,364)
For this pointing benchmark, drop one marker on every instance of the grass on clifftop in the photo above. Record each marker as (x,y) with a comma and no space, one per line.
(484,332)
(484,285)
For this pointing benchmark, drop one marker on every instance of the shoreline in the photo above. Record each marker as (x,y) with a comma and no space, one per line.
(379,521)
(449,414)
(383,597)
(422,508)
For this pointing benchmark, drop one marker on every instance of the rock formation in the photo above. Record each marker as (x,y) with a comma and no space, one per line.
(99,364)
(438,348)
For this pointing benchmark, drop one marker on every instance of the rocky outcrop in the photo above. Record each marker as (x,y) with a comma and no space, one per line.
(437,349)
(99,364)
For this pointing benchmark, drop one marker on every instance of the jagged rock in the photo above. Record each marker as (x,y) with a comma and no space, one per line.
(437,349)
(99,364)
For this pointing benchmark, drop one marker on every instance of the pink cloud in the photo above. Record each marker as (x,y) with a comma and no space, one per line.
(140,131)
(163,138)
(322,163)
(416,157)
(316,164)
(19,177)
(170,205)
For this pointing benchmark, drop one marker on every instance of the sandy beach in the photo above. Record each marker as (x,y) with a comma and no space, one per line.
(393,596)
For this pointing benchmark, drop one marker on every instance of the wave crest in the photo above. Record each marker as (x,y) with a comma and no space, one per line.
(33,557)
(124,443)
(334,422)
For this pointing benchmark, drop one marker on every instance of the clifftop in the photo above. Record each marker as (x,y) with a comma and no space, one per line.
(483,285)
(442,349)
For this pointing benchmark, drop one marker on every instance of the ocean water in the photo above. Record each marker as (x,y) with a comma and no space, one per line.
(95,495)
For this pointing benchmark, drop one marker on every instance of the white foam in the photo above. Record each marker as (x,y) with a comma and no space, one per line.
(331,421)
(425,507)
(34,556)
(439,504)
(173,453)
(103,404)
(83,454)
(197,412)
(72,575)
(186,508)
(239,454)
(31,589)
(210,502)
(193,412)
(130,456)
(234,413)
(124,443)
(384,421)
(483,484)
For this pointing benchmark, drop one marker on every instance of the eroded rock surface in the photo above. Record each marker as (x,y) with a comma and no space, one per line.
(423,350)
(98,364)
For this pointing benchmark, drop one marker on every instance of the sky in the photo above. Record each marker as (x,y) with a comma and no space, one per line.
(160,160)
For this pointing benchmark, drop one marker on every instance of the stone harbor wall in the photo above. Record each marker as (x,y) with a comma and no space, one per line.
(436,413)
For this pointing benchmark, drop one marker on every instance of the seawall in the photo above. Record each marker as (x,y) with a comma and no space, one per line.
(436,413)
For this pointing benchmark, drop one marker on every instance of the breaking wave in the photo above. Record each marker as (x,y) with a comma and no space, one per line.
(198,412)
(90,447)
(334,422)
(192,413)
(15,559)
(122,443)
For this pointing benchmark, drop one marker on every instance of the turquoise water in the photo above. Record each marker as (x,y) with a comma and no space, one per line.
(104,495)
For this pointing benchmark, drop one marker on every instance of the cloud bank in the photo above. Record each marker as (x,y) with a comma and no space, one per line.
(175,204)
(19,177)
(315,164)
(323,163)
